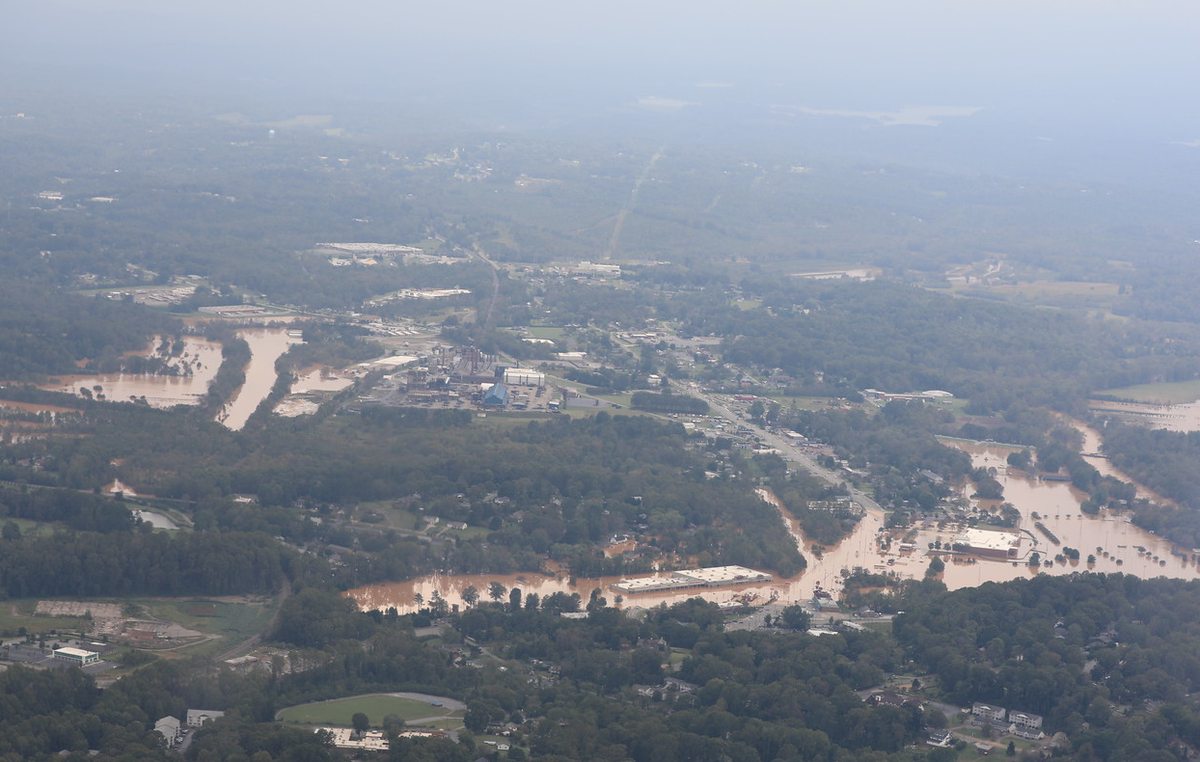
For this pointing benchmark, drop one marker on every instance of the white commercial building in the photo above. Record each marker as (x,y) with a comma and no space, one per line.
(76,656)
(712,576)
(990,543)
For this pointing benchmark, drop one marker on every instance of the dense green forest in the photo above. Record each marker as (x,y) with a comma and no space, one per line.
(557,489)
(142,563)
(1167,462)
(888,336)
(1109,660)
(102,196)
(898,447)
(669,403)
(1163,460)
(77,510)
(823,518)
(44,330)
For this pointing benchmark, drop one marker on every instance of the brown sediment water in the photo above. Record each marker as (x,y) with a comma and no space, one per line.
(1129,549)
(1183,416)
(266,346)
(320,379)
(1093,448)
(1123,547)
(161,391)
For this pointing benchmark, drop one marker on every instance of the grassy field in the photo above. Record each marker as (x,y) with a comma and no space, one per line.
(1055,293)
(510,419)
(29,527)
(19,613)
(393,515)
(1164,394)
(545,332)
(232,621)
(375,705)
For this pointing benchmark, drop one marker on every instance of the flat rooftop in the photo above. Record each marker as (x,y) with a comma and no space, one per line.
(395,361)
(343,738)
(989,539)
(723,574)
(710,576)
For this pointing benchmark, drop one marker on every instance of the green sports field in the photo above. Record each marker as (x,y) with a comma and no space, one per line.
(375,705)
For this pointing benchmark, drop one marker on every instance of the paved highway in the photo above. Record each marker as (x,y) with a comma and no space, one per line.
(787,449)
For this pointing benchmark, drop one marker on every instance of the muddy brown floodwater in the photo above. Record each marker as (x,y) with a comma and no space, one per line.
(1183,416)
(1093,447)
(1118,545)
(161,391)
(320,379)
(859,549)
(266,346)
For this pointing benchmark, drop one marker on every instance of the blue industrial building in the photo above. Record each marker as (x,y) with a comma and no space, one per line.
(497,396)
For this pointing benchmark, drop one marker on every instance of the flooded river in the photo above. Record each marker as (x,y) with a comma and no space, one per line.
(266,346)
(1110,537)
(310,389)
(204,358)
(856,550)
(1183,416)
(161,391)
(320,379)
(1093,445)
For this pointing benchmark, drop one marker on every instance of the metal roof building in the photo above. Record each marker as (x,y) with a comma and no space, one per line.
(497,396)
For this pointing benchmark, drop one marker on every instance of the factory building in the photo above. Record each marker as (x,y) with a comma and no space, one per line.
(496,396)
(524,377)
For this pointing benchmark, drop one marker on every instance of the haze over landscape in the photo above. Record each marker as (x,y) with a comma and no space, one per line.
(626,381)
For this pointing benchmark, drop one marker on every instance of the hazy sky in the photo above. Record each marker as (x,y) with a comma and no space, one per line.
(1117,66)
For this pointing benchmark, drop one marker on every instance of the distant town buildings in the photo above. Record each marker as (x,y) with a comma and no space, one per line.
(1021,724)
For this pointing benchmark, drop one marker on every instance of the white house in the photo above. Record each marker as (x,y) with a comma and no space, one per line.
(169,728)
(197,717)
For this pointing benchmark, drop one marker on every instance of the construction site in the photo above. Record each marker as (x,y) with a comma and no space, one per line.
(119,624)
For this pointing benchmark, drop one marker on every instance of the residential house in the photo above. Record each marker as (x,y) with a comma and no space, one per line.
(986,714)
(1025,725)
(168,727)
(197,717)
